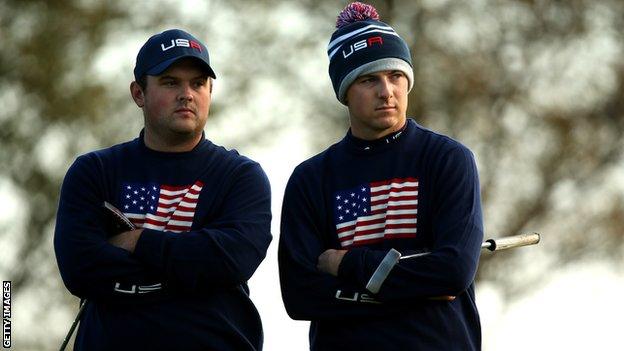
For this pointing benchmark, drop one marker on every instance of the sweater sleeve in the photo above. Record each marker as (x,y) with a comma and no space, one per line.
(309,294)
(91,267)
(457,226)
(222,253)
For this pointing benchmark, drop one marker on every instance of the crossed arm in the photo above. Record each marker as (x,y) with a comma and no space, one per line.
(313,276)
(329,262)
(221,252)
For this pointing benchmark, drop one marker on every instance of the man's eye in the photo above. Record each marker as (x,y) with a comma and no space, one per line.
(397,75)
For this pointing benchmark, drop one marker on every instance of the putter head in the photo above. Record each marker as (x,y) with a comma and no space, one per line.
(382,271)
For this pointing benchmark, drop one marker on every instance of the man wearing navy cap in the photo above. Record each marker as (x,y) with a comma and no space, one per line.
(390,185)
(202,213)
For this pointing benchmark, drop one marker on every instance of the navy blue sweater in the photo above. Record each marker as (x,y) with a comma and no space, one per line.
(414,191)
(206,219)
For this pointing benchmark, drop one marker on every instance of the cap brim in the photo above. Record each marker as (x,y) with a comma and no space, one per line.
(161,67)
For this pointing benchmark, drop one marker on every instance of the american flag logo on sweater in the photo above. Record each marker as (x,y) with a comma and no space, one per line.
(160,207)
(376,211)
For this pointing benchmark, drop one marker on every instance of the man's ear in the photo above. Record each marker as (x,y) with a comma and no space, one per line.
(137,94)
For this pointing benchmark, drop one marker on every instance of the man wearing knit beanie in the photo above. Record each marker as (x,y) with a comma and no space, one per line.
(390,187)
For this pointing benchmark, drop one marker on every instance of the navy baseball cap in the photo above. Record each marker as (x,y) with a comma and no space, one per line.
(163,49)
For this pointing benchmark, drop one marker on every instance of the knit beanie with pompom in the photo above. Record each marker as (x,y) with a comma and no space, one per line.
(362,44)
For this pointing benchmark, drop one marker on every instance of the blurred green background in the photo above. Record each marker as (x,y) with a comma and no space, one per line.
(534,88)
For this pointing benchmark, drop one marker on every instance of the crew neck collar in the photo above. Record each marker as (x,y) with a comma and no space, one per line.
(368,146)
(141,140)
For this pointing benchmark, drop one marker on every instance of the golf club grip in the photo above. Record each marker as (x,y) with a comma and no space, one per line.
(509,242)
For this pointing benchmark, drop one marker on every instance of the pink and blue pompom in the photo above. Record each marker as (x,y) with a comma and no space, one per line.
(354,12)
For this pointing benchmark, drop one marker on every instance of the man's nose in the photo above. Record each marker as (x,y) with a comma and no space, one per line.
(384,89)
(186,92)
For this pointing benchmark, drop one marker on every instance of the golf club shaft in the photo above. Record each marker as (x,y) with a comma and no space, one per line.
(83,304)
(393,256)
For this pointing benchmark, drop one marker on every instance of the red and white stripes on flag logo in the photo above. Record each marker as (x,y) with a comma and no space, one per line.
(377,211)
(164,207)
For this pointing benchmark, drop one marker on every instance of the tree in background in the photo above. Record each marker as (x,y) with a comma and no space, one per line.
(534,88)
(50,106)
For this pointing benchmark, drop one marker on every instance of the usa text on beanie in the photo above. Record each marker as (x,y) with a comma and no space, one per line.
(362,44)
